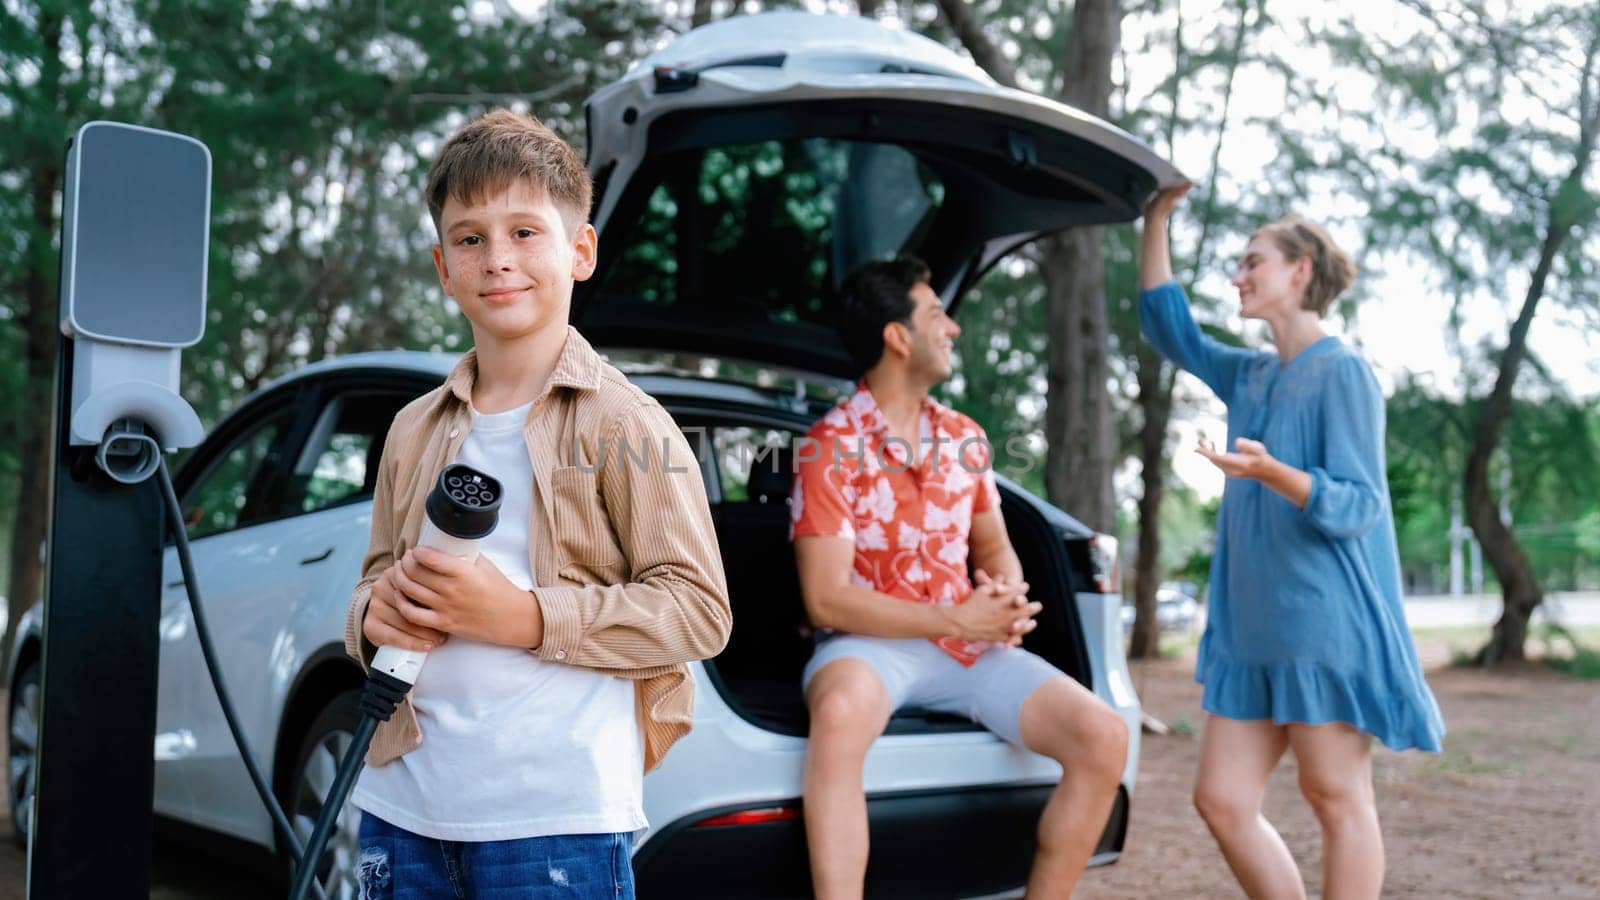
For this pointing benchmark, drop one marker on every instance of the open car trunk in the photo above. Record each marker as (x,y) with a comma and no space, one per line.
(759,672)
(742,171)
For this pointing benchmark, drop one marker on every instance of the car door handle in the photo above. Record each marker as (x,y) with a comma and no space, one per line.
(318,558)
(175,584)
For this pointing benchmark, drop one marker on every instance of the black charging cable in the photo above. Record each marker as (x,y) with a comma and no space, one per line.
(192,587)
(378,702)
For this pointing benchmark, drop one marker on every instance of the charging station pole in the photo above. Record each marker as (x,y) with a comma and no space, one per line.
(136,213)
(92,831)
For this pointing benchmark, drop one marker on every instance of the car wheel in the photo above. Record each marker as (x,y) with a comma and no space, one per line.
(324,746)
(24,749)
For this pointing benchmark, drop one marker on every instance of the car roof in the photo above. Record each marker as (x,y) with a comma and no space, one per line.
(812,44)
(420,362)
(439,364)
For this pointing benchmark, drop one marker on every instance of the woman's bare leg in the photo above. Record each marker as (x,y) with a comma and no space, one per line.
(1336,778)
(1236,759)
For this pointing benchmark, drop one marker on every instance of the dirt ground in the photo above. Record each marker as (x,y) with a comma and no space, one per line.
(1510,809)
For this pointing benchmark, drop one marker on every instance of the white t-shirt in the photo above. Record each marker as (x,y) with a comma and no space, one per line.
(512,746)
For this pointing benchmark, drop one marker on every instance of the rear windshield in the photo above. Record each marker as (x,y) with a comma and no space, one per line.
(767,229)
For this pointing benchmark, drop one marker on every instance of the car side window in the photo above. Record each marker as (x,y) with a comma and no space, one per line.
(339,462)
(229,495)
(740,450)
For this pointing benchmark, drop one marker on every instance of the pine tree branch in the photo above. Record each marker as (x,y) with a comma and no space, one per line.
(498,97)
(984,51)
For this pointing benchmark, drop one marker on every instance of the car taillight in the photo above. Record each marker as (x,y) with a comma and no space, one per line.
(1103,559)
(752,817)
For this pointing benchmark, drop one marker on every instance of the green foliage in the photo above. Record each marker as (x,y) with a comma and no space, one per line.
(1000,366)
(1548,464)
(1497,97)
(1566,651)
(321,119)
(1188,533)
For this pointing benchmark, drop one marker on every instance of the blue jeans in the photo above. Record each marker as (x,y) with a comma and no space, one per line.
(398,865)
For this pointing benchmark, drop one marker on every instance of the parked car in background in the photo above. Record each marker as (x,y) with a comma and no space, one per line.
(1176,610)
(740,172)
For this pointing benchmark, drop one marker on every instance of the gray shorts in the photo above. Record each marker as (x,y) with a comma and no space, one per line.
(917,673)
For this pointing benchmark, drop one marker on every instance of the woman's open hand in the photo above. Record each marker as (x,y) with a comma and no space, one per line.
(1250,459)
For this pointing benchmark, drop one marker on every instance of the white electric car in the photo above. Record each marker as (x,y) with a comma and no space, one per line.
(740,172)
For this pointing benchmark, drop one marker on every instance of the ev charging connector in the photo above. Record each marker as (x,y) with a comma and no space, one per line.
(462,509)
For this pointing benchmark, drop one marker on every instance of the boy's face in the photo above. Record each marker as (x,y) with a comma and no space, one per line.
(509,263)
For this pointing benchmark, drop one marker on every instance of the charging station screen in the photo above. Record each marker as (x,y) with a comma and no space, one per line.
(138,251)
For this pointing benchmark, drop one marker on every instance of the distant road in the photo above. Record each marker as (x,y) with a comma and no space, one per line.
(1464,611)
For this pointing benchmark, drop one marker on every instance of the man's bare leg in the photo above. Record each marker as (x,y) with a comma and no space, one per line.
(849,709)
(1064,721)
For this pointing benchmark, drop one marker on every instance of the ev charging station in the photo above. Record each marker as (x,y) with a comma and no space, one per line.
(133,295)
(136,212)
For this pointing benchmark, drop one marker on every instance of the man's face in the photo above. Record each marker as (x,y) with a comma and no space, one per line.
(932,334)
(509,263)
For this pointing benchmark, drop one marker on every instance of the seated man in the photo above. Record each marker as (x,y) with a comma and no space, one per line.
(891,489)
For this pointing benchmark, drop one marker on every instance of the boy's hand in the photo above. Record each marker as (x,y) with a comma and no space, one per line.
(473,600)
(385,626)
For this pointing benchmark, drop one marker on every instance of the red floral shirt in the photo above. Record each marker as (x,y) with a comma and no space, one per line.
(908,510)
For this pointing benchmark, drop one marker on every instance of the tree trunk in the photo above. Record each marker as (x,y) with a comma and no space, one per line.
(984,51)
(1519,588)
(1081,458)
(1155,396)
(35,438)
(1156,381)
(1155,401)
(701,14)
(1078,427)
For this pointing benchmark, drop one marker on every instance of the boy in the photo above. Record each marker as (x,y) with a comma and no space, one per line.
(884,515)
(556,672)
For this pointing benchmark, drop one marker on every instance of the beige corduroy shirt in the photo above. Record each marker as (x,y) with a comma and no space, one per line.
(629,578)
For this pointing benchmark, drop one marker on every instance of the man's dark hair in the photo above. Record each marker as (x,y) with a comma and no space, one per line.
(873,295)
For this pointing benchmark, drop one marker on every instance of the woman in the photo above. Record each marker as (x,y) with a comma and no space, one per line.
(1306,646)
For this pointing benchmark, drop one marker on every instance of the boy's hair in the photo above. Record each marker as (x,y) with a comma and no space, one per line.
(500,147)
(1332,270)
(873,295)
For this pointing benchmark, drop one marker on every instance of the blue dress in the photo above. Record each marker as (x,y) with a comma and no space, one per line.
(1304,622)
